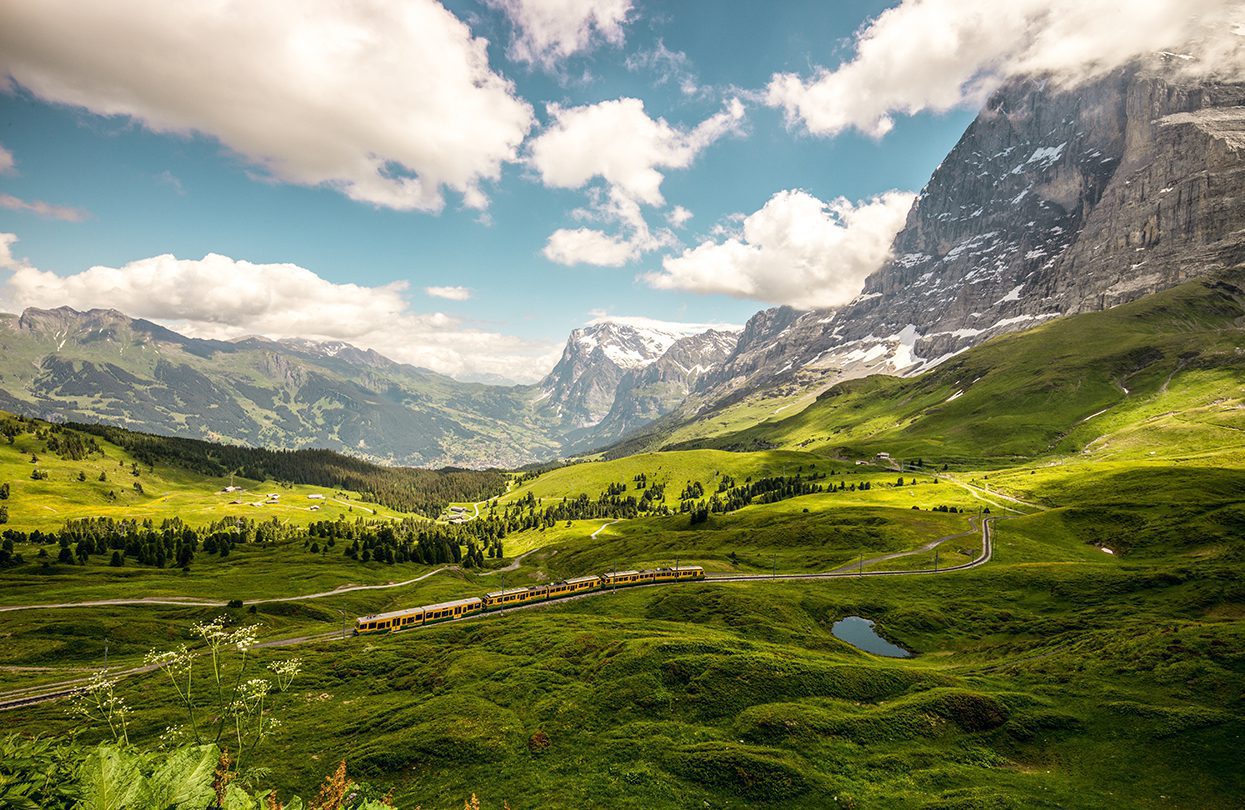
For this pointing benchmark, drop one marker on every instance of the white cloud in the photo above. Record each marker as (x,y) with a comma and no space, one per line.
(549,31)
(796,250)
(223,298)
(938,54)
(390,102)
(449,293)
(667,67)
(678,216)
(617,143)
(589,246)
(42,209)
(6,160)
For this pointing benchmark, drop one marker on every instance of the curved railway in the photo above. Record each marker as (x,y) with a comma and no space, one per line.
(50,692)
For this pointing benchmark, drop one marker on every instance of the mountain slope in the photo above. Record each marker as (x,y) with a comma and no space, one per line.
(101,366)
(1160,376)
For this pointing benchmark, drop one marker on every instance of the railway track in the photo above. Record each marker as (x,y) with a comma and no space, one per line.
(47,693)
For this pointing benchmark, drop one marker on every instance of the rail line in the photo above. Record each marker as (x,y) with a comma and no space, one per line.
(49,692)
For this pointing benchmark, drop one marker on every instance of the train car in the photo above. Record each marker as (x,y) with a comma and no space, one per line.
(568,587)
(509,596)
(445,611)
(621,578)
(388,622)
(680,574)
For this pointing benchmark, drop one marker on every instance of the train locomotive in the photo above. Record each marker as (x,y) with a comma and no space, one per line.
(398,620)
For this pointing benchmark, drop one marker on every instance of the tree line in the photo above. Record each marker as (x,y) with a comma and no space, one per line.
(406,489)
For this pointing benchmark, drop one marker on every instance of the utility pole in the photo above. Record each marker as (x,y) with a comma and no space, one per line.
(774,573)
(343,614)
(614,579)
(935,559)
(105,652)
(860,568)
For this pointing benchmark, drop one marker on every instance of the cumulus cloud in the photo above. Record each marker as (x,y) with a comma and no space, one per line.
(390,102)
(449,293)
(6,160)
(939,54)
(223,298)
(549,31)
(796,250)
(617,143)
(590,246)
(678,216)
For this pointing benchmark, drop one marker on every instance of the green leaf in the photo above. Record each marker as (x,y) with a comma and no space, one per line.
(182,779)
(111,778)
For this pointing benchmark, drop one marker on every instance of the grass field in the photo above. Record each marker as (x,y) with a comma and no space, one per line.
(167,491)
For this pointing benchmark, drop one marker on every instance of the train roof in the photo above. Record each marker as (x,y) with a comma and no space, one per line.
(475,600)
(491,594)
(577,580)
(395,613)
(619,573)
(390,615)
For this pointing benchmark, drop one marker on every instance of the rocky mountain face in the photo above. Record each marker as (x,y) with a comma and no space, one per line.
(102,366)
(1054,201)
(580,391)
(649,392)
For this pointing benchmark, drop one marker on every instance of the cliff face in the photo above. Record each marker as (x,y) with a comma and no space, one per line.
(1054,201)
(1175,208)
(649,393)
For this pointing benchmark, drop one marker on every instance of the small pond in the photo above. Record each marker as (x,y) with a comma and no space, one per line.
(859,633)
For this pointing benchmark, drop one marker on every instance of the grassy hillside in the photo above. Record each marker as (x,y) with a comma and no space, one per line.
(167,490)
(1165,372)
(1035,685)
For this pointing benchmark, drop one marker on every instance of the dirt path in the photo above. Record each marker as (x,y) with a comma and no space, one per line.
(190,602)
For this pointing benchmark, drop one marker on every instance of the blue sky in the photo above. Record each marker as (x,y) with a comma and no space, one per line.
(155,180)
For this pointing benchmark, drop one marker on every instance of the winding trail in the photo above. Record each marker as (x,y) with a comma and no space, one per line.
(593,536)
(190,602)
(895,555)
(49,692)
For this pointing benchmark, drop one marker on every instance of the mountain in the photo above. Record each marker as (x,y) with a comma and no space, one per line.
(1162,375)
(102,366)
(650,391)
(580,390)
(1054,201)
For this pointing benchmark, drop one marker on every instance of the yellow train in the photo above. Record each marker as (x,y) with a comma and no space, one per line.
(399,620)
